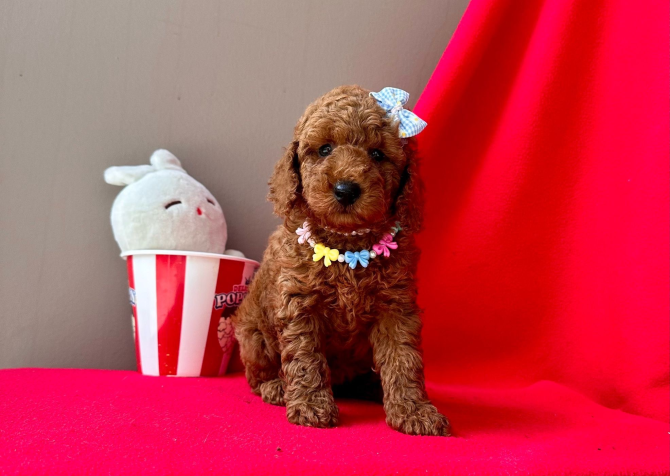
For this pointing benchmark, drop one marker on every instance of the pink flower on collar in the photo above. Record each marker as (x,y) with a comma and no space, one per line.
(303,233)
(385,245)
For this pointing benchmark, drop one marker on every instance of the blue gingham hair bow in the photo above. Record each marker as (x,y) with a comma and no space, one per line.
(353,259)
(393,100)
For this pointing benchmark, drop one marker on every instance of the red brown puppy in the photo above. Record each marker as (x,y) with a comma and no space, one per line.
(317,316)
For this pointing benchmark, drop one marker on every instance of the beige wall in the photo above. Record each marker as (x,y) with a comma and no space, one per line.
(89,84)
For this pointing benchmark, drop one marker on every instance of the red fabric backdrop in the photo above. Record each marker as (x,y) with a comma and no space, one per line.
(545,250)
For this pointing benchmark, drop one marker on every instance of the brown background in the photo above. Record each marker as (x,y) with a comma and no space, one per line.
(89,84)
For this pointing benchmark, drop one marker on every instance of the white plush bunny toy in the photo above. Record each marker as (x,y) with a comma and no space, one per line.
(164,208)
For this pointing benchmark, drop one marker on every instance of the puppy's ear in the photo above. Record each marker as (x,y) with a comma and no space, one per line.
(409,201)
(285,186)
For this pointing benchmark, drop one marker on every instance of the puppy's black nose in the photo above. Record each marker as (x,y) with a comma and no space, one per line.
(346,192)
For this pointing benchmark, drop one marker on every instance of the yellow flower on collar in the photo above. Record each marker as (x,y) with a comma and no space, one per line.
(326,253)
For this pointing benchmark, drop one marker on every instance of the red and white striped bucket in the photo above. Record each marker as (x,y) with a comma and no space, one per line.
(182,302)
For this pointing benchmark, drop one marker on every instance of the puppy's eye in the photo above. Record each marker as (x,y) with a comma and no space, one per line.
(325,150)
(171,204)
(377,154)
(210,201)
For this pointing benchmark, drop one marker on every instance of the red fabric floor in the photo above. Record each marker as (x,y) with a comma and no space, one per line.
(113,422)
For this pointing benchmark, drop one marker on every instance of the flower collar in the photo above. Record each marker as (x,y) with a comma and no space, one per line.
(352,258)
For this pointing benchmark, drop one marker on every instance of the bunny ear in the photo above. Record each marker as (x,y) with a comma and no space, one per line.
(164,159)
(127,174)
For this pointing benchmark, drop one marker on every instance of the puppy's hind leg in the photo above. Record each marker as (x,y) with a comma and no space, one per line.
(272,392)
(261,361)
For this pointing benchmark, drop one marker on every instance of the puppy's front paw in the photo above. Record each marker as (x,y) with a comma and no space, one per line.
(417,419)
(316,409)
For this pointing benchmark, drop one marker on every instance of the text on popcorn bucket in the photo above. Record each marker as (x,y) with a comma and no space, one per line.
(233,298)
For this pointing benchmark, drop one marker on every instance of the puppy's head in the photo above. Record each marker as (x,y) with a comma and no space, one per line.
(346,167)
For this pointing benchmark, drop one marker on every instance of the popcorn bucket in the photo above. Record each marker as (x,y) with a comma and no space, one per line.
(182,302)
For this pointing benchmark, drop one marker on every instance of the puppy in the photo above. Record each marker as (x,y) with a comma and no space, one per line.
(334,301)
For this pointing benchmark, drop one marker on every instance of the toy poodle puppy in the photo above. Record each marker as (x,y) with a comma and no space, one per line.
(334,301)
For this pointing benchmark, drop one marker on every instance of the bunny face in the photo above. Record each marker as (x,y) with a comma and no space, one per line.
(163,208)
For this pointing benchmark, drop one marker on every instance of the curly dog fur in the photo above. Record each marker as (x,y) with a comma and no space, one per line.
(304,328)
